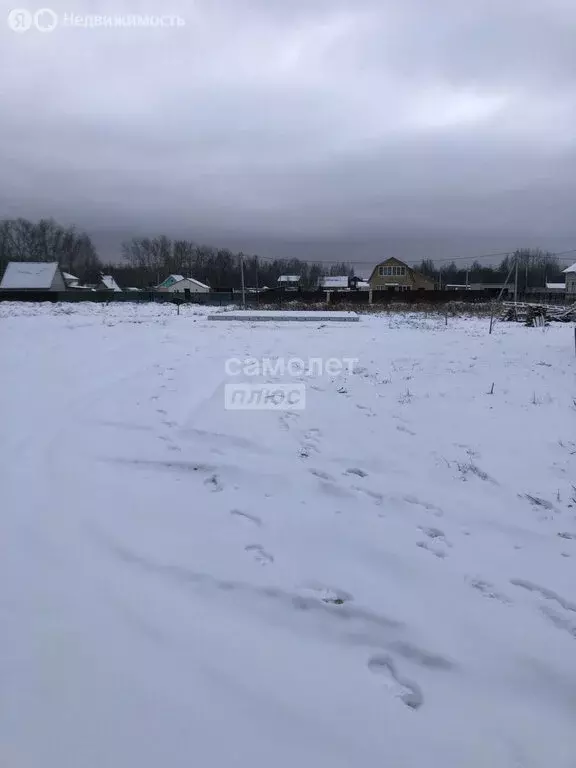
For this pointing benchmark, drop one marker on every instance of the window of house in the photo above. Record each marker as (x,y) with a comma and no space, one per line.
(391,271)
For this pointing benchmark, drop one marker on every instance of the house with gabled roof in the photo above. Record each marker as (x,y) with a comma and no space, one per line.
(71,280)
(184,285)
(395,275)
(169,282)
(33,276)
(570,273)
(107,283)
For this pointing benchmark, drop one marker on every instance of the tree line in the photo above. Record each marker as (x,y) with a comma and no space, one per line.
(46,240)
(535,269)
(147,261)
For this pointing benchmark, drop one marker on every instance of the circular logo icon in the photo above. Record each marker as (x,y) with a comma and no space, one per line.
(45,20)
(19,20)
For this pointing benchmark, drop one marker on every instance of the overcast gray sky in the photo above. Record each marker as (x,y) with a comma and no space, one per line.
(346,127)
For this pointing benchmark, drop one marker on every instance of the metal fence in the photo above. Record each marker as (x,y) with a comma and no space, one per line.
(278,298)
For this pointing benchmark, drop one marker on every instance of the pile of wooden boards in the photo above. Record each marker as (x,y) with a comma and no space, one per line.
(538,314)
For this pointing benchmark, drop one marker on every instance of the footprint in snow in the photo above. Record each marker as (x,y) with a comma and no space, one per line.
(322,475)
(434,550)
(436,535)
(260,554)
(355,471)
(213,483)
(254,519)
(427,506)
(376,496)
(406,690)
(327,594)
(487,590)
(288,418)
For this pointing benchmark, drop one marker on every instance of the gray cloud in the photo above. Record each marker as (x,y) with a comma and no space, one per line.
(332,121)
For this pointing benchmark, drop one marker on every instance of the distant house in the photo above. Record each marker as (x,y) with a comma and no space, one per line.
(107,283)
(395,275)
(289,281)
(169,281)
(556,287)
(335,283)
(71,280)
(184,285)
(570,273)
(32,276)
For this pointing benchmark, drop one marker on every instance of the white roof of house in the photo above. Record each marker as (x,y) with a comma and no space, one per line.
(556,286)
(172,278)
(289,279)
(192,280)
(68,276)
(571,269)
(110,283)
(339,281)
(29,274)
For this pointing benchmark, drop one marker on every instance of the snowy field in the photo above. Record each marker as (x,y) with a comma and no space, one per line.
(384,579)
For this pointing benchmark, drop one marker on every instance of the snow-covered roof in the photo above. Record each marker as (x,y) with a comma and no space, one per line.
(555,286)
(68,276)
(109,282)
(289,279)
(29,274)
(338,281)
(193,280)
(171,279)
(571,269)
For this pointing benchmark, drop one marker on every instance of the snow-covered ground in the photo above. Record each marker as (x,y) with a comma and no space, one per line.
(386,578)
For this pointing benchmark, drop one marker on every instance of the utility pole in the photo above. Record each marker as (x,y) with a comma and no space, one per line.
(505,282)
(516,279)
(242,277)
(467,269)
